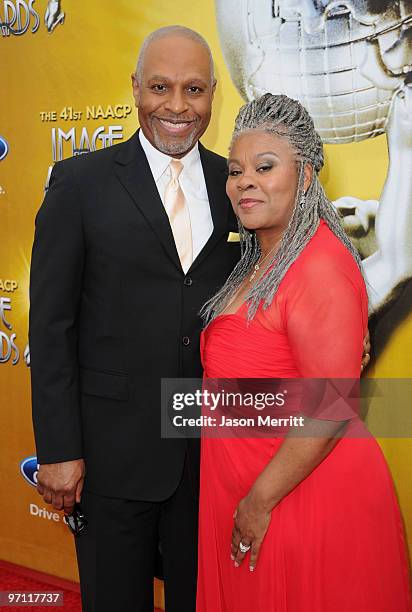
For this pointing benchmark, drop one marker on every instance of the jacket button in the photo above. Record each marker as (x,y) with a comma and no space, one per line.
(186,340)
(188,281)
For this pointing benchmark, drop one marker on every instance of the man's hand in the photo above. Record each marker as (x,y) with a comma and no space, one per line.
(366,351)
(61,484)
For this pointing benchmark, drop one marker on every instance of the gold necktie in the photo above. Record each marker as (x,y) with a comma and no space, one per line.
(178,213)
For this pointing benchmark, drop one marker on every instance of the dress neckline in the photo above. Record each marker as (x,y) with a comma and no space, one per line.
(236,313)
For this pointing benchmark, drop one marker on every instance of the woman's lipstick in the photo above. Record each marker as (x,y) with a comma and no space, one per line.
(247,203)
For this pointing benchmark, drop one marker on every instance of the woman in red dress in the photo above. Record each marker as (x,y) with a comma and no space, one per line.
(292,524)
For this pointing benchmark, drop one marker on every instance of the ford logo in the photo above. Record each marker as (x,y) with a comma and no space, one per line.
(29,468)
(4,148)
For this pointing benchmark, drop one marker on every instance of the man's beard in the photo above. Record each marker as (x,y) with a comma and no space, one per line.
(174,147)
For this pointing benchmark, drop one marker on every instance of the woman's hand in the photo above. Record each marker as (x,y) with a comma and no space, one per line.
(252,519)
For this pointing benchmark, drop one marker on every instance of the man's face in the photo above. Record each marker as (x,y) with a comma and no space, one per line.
(174,98)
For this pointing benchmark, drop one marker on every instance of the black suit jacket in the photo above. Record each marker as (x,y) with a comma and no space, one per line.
(110,307)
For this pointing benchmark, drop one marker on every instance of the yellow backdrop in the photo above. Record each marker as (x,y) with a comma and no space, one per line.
(78,76)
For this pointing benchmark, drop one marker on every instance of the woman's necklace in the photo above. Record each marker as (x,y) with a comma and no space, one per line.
(257,265)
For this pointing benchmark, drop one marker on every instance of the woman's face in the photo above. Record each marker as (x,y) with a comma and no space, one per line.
(262,181)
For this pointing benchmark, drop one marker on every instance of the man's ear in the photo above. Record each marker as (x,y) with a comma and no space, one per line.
(136,89)
(214,88)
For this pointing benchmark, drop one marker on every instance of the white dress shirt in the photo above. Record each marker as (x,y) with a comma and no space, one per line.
(192,182)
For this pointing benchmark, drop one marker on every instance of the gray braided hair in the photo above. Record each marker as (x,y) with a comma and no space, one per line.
(287,118)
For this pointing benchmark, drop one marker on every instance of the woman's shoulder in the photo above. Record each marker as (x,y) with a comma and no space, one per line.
(326,248)
(326,257)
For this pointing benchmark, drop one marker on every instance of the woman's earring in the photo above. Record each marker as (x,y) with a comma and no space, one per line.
(302,202)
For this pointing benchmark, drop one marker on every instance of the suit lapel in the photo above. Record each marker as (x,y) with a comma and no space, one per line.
(133,171)
(215,178)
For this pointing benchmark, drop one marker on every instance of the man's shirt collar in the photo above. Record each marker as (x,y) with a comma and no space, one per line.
(159,162)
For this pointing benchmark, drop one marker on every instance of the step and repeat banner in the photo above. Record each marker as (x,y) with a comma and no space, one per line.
(66,91)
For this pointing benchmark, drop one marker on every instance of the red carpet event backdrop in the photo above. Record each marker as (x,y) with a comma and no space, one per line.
(66,70)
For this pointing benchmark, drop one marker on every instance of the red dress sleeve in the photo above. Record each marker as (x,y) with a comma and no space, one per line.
(324,311)
(325,315)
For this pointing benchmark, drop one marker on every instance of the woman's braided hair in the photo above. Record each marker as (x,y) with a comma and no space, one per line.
(286,118)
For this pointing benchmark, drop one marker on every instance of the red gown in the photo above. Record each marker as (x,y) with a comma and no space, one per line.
(335,543)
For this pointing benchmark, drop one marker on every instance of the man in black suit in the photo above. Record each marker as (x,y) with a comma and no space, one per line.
(115,297)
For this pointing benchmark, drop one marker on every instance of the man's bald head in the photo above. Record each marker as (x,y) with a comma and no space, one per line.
(173,88)
(172,31)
